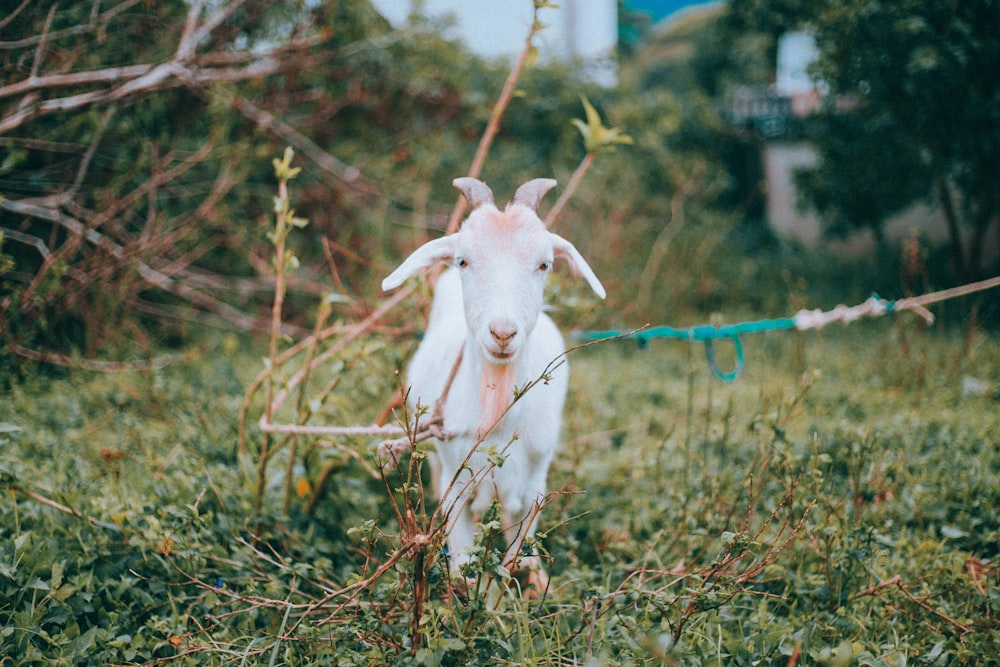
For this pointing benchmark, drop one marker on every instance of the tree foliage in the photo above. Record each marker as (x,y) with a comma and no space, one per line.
(818,519)
(914,111)
(136,141)
(779,520)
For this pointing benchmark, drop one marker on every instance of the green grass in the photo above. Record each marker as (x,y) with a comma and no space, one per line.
(839,504)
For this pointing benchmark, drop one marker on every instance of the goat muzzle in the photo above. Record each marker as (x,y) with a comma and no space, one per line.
(503,334)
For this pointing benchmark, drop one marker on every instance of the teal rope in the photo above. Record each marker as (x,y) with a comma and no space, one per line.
(705,334)
(696,334)
(725,376)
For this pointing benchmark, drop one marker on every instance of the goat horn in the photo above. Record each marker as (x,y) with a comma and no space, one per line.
(530,194)
(476,192)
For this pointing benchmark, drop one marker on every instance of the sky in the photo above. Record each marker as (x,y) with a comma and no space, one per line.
(585,29)
(494,29)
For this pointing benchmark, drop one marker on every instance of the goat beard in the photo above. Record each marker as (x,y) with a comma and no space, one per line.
(496,394)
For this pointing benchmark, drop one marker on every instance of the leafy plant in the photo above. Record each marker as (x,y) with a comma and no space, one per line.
(847,514)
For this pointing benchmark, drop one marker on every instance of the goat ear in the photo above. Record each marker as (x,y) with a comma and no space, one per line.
(567,250)
(530,194)
(476,192)
(430,253)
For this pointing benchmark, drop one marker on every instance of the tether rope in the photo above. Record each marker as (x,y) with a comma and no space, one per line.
(803,320)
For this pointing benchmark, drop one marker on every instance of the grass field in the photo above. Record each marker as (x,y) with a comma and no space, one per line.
(838,505)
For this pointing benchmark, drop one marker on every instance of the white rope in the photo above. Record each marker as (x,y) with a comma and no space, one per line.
(817,319)
(302,429)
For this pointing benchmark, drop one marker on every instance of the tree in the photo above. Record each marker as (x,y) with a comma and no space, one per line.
(135,145)
(913,111)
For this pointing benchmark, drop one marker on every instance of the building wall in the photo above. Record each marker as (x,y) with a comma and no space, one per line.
(790,220)
(577,29)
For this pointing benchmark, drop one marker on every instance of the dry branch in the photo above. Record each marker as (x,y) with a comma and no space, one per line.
(309,148)
(274,403)
(496,115)
(76,225)
(95,23)
(151,275)
(185,69)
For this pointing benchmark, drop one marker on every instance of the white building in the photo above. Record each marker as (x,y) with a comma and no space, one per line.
(578,30)
(801,94)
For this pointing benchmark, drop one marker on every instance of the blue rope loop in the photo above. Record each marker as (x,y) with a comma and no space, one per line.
(705,334)
(725,376)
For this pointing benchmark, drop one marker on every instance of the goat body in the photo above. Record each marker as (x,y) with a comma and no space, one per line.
(488,309)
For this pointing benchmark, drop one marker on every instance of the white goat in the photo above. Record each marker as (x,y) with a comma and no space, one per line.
(488,309)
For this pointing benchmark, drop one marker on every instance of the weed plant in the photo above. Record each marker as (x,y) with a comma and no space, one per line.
(836,505)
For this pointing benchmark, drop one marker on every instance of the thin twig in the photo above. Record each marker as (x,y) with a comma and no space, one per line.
(95,365)
(40,49)
(324,160)
(13,15)
(346,337)
(570,189)
(148,273)
(140,79)
(65,509)
(283,224)
(188,42)
(896,582)
(93,24)
(496,115)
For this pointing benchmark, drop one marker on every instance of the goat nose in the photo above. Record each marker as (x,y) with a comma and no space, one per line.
(503,332)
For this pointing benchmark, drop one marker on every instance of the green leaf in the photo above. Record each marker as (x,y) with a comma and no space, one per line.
(596,137)
(953,533)
(57,574)
(283,169)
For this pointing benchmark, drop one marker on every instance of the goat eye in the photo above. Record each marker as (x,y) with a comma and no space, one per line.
(461,263)
(545,266)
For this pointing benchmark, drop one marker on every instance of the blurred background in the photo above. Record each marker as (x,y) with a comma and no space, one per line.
(783,154)
(740,160)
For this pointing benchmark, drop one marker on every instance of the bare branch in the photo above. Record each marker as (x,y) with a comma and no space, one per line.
(27,239)
(34,110)
(13,15)
(74,30)
(569,190)
(107,75)
(208,69)
(137,80)
(157,78)
(96,365)
(324,160)
(149,274)
(213,22)
(40,51)
(493,126)
(88,155)
(134,80)
(188,42)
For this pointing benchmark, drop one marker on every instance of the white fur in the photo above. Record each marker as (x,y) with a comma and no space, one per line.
(489,305)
